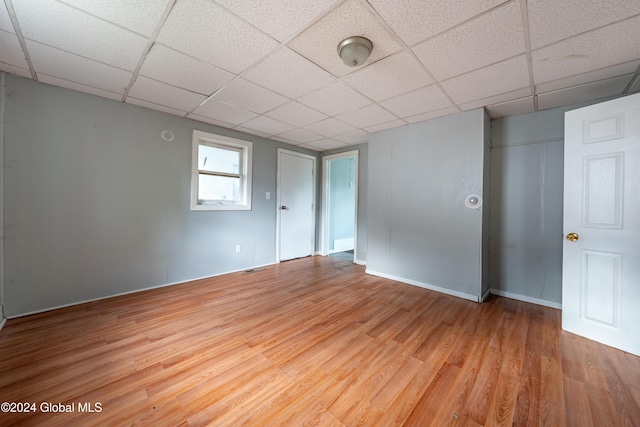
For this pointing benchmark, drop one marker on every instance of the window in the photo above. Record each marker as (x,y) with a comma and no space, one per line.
(221,173)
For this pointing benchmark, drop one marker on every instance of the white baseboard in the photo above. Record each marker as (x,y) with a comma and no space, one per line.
(3,319)
(485,295)
(360,262)
(525,298)
(425,285)
(135,291)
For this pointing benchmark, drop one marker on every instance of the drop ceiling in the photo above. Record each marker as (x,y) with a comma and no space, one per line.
(270,67)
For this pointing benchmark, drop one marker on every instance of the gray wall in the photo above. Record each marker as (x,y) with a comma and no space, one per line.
(419,226)
(2,103)
(527,181)
(342,206)
(526,204)
(363,191)
(97,204)
(486,206)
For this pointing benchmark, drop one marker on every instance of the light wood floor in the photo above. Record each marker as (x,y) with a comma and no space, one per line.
(308,342)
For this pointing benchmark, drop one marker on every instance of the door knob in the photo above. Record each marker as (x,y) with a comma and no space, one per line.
(284,208)
(573,237)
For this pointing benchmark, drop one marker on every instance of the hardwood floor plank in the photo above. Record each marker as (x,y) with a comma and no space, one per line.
(313,341)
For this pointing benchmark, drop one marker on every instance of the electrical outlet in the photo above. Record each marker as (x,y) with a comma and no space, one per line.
(237,249)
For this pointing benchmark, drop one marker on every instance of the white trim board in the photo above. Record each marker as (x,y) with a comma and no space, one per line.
(326,189)
(360,262)
(467,296)
(135,291)
(525,298)
(452,292)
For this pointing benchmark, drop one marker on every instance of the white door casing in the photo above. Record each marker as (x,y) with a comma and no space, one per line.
(296,205)
(326,194)
(601,269)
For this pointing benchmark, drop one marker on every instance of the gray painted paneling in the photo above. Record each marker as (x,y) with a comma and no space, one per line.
(526,226)
(486,206)
(420,228)
(526,204)
(97,204)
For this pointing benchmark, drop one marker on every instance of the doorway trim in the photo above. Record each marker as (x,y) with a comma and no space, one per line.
(281,151)
(326,190)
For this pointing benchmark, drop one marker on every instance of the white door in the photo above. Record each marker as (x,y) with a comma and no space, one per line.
(296,218)
(601,254)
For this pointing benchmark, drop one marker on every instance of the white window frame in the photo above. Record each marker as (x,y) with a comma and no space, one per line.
(246,155)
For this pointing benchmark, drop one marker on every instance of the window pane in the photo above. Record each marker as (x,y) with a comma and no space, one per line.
(218,188)
(214,159)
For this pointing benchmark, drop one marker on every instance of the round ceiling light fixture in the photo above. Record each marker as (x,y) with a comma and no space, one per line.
(354,50)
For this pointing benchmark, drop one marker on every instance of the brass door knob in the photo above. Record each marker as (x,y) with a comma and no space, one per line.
(573,237)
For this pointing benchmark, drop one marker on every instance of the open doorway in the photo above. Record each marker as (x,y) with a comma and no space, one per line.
(340,195)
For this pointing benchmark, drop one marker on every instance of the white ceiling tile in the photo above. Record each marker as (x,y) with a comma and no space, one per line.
(83,34)
(485,40)
(582,93)
(300,136)
(164,94)
(417,20)
(387,125)
(496,79)
(432,115)
(224,112)
(78,87)
(141,16)
(289,74)
(604,73)
(249,96)
(389,77)
(15,70)
(367,116)
(353,137)
(319,42)
(552,20)
(267,125)
(296,114)
(496,99)
(11,50)
(512,108)
(278,18)
(334,99)
(210,121)
(330,127)
(286,141)
(75,68)
(251,131)
(175,68)
(324,144)
(310,147)
(153,106)
(5,21)
(611,45)
(205,31)
(419,101)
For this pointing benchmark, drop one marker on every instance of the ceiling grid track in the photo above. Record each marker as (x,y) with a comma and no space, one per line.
(23,43)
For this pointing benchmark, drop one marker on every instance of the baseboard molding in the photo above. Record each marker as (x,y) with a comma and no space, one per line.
(360,262)
(452,292)
(485,295)
(525,298)
(3,319)
(134,291)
